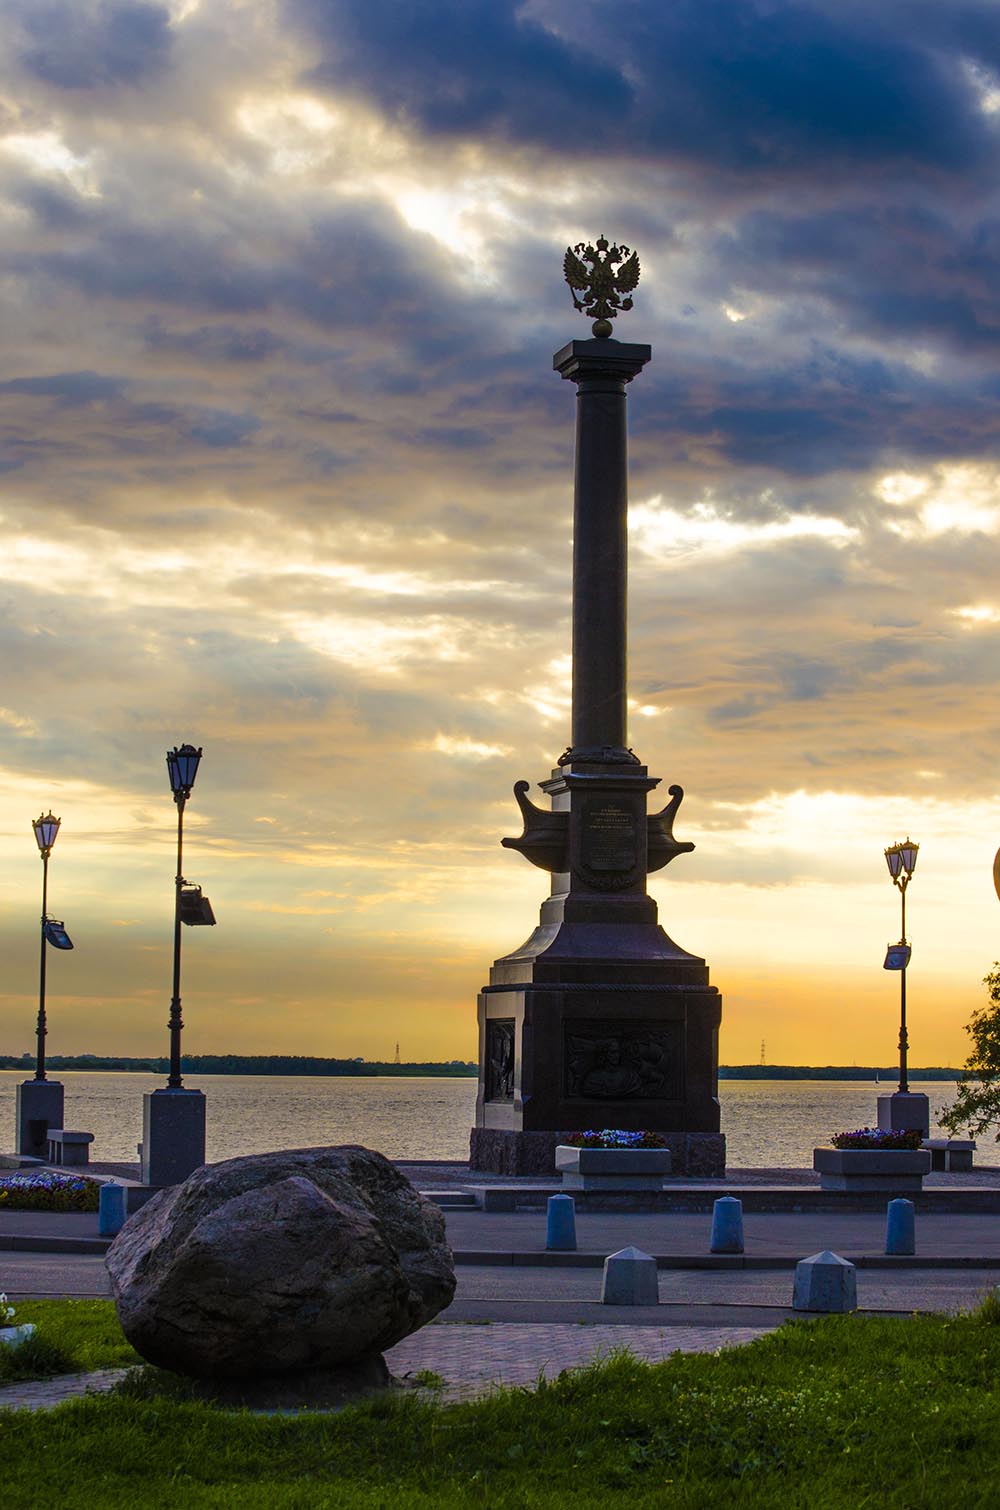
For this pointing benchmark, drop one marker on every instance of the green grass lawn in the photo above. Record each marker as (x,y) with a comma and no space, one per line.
(839,1413)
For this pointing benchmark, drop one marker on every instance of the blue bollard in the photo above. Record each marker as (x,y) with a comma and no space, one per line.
(900,1227)
(560,1223)
(727,1225)
(111,1209)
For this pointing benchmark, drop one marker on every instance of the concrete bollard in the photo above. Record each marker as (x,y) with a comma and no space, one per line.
(111,1209)
(630,1279)
(560,1223)
(727,1225)
(900,1227)
(825,1282)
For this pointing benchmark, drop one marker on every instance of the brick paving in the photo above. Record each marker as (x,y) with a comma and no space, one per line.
(472,1360)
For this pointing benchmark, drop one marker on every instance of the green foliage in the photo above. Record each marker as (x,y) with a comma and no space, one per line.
(844,1411)
(72,1336)
(977,1103)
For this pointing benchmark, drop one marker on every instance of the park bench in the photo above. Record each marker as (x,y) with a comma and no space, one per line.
(950,1154)
(68,1148)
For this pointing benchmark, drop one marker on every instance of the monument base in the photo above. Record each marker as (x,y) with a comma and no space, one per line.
(39,1107)
(173,1135)
(497,1150)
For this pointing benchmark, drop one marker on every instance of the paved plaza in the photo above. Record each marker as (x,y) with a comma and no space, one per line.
(520,1312)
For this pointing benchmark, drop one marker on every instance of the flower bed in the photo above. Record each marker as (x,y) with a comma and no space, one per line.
(875,1137)
(612,1137)
(47,1190)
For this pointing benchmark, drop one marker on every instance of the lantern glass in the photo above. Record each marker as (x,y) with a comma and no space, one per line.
(894,860)
(908,855)
(182,766)
(46,827)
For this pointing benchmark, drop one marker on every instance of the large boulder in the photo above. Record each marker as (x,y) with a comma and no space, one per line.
(308,1259)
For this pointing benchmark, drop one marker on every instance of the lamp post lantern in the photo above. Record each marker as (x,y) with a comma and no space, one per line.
(904,1110)
(45,828)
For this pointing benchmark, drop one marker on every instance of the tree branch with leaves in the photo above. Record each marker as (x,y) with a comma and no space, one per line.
(977,1104)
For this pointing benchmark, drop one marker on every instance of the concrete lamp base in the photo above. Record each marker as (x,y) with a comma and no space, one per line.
(39,1107)
(173,1135)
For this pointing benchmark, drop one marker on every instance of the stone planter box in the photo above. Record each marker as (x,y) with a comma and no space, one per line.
(612,1168)
(896,1171)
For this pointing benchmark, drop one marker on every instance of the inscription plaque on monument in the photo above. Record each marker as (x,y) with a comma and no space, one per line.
(500,1059)
(609,846)
(622,1061)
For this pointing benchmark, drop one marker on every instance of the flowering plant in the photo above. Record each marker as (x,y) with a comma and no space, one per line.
(6,1311)
(48,1190)
(874,1137)
(612,1137)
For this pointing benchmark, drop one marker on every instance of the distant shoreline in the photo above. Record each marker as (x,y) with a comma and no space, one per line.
(294,1064)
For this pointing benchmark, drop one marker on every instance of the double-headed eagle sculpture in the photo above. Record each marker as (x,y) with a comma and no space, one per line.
(613,271)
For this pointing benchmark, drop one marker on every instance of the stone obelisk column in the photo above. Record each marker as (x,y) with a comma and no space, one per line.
(599,1019)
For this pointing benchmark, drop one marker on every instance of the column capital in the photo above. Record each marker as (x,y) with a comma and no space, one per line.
(601,357)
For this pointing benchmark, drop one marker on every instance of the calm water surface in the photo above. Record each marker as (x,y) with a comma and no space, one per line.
(773,1123)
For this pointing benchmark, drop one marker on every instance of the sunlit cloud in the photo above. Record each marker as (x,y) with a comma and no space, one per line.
(663,532)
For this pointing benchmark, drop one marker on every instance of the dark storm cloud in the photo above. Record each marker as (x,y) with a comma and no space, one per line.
(468,68)
(80,46)
(740,84)
(911,270)
(68,388)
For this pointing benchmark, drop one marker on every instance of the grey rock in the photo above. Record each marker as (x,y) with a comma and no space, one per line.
(280,1263)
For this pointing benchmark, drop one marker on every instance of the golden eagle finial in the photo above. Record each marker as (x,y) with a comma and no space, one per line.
(613,271)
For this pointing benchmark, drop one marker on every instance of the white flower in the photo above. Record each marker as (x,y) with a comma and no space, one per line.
(6,1311)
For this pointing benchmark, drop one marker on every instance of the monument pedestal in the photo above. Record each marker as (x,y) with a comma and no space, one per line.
(39,1107)
(599,1019)
(173,1135)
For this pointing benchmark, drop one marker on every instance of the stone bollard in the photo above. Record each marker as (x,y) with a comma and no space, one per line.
(900,1227)
(630,1279)
(825,1282)
(111,1209)
(727,1225)
(560,1223)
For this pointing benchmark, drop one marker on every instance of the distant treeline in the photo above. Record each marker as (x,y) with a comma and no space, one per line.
(886,1075)
(244,1064)
(305,1064)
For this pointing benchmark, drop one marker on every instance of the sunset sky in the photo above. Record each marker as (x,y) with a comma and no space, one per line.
(285,472)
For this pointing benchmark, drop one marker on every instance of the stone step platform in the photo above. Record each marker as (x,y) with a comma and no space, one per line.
(451,1200)
(694,1197)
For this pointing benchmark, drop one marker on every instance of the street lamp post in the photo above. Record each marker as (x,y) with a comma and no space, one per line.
(904,1110)
(45,828)
(39,1102)
(173,1117)
(182,766)
(902,862)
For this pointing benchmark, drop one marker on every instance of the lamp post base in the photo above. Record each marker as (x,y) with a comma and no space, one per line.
(39,1107)
(905,1111)
(173,1135)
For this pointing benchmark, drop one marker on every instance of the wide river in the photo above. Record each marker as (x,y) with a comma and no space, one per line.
(768,1123)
